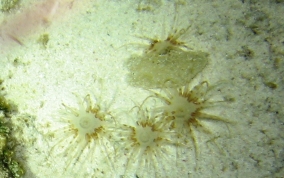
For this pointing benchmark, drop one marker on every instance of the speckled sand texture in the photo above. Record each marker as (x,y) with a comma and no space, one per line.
(89,44)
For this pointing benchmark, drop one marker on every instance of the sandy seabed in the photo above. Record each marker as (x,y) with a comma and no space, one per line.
(86,52)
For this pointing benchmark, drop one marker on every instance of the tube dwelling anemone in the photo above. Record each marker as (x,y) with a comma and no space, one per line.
(84,132)
(146,145)
(165,62)
(185,109)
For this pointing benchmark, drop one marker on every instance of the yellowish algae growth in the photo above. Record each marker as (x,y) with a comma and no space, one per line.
(173,69)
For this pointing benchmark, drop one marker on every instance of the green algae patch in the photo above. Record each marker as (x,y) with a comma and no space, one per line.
(8,5)
(5,107)
(174,69)
(43,40)
(9,166)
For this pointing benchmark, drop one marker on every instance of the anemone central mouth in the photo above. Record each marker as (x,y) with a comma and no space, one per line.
(85,122)
(145,137)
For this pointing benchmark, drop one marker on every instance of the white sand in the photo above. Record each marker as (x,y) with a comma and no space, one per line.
(92,46)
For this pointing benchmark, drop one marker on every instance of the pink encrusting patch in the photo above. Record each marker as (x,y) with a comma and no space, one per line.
(19,26)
